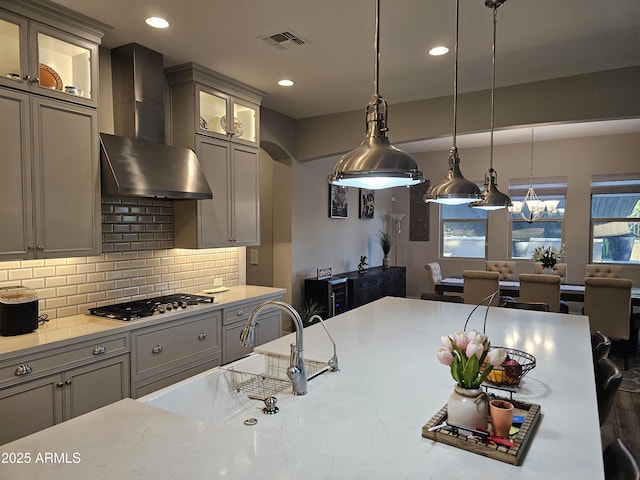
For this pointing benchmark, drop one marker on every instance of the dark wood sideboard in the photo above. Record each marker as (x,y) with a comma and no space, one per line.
(349,290)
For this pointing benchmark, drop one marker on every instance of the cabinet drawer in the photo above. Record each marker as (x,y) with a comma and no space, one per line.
(241,312)
(159,349)
(57,359)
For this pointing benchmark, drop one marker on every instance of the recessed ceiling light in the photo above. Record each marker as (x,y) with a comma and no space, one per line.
(436,51)
(286,83)
(157,22)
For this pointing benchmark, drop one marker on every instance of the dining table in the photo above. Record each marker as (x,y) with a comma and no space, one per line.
(568,292)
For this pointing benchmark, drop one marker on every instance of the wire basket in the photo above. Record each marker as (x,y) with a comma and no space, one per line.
(512,374)
(269,376)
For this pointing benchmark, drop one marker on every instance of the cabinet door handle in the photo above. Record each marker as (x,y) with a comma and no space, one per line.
(23,369)
(40,247)
(59,384)
(68,381)
(156,349)
(99,350)
(202,335)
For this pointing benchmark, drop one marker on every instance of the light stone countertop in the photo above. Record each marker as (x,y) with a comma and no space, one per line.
(66,330)
(362,422)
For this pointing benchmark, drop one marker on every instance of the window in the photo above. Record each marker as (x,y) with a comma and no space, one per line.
(464,231)
(546,230)
(615,218)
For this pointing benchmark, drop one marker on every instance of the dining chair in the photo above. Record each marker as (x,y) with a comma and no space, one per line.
(507,270)
(619,462)
(434,275)
(607,303)
(558,269)
(600,346)
(480,284)
(542,288)
(441,298)
(536,306)
(603,270)
(608,380)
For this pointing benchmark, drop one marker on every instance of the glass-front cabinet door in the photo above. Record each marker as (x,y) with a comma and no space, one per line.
(215,110)
(13,45)
(39,59)
(66,65)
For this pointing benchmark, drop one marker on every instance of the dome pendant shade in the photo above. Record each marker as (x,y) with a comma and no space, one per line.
(454,189)
(491,197)
(376,164)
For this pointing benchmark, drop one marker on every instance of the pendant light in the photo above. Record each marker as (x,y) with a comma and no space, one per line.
(376,164)
(535,206)
(491,198)
(454,189)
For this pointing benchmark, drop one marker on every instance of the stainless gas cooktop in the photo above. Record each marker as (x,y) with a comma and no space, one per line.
(151,306)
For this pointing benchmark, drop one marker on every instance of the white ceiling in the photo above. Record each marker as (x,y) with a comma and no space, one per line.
(537,39)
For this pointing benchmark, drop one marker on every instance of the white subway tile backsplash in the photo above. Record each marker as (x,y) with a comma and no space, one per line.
(138,261)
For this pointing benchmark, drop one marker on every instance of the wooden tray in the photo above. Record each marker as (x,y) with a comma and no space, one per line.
(512,455)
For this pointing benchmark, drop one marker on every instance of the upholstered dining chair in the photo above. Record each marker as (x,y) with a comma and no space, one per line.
(558,269)
(607,303)
(600,346)
(603,270)
(479,284)
(542,288)
(507,270)
(434,275)
(608,380)
(619,462)
(441,298)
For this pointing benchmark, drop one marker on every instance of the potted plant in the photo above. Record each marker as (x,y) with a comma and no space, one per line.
(385,243)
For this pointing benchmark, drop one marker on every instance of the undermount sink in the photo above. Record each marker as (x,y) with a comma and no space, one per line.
(217,396)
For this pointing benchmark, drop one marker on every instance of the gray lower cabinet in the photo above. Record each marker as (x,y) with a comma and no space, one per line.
(40,390)
(235,318)
(170,352)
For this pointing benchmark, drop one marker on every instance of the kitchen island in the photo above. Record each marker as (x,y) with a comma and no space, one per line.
(361,422)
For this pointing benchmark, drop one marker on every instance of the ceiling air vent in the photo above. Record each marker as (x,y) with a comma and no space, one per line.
(284,40)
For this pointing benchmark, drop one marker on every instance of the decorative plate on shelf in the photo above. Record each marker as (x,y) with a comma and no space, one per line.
(49,78)
(238,128)
(203,124)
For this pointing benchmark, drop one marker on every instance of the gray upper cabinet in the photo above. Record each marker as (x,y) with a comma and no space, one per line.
(58,59)
(50,187)
(201,101)
(49,190)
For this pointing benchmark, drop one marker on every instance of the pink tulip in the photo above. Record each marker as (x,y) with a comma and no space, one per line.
(446,342)
(474,348)
(476,336)
(496,356)
(445,356)
(461,339)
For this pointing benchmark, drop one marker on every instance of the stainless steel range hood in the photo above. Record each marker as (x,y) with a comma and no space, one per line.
(136,162)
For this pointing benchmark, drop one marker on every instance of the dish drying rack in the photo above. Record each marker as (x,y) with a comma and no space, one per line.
(273,379)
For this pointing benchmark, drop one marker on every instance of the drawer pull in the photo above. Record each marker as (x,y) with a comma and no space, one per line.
(59,384)
(99,350)
(156,349)
(23,369)
(240,312)
(202,336)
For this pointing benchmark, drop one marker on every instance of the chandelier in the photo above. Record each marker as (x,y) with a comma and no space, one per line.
(536,207)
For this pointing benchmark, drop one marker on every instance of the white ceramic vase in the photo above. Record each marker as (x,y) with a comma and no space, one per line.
(468,407)
(386,262)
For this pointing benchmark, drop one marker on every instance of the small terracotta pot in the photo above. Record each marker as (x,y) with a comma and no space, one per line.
(501,417)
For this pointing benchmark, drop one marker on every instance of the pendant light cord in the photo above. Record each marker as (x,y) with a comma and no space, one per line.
(455,78)
(376,43)
(493,84)
(531,171)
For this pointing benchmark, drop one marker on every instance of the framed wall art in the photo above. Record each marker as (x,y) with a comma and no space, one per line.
(367,202)
(338,201)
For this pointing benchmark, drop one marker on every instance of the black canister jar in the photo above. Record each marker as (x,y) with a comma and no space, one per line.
(18,310)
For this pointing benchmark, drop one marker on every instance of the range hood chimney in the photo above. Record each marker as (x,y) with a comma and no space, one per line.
(135,161)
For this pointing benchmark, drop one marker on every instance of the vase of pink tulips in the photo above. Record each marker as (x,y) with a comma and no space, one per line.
(470,358)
